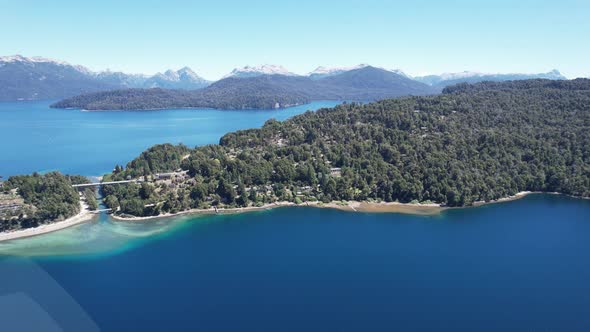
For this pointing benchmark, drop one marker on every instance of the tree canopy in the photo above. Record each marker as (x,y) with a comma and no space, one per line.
(472,143)
(32,200)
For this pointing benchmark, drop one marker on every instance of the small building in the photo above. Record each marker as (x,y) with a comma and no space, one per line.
(336,171)
(163,176)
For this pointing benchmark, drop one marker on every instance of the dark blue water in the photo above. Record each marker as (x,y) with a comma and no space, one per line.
(516,266)
(34,137)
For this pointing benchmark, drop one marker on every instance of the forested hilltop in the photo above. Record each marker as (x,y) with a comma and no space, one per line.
(472,143)
(32,200)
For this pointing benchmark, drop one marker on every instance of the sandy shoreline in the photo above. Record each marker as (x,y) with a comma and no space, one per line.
(210,211)
(82,217)
(351,206)
(516,196)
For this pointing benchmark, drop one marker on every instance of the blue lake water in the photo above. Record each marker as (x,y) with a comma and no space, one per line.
(34,137)
(515,266)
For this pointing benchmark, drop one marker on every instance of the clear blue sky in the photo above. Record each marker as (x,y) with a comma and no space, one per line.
(213,37)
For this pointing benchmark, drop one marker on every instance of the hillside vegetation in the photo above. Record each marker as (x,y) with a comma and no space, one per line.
(32,200)
(472,143)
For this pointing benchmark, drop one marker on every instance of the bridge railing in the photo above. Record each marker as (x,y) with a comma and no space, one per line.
(96,184)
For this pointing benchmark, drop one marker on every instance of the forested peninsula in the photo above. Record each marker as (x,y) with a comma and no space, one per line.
(472,143)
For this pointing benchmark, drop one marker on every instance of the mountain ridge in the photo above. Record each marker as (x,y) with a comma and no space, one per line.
(253,71)
(262,91)
(36,78)
(446,79)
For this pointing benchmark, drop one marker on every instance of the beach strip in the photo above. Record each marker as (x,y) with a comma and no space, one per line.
(353,206)
(83,216)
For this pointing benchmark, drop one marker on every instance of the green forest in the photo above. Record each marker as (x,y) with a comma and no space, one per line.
(476,142)
(32,200)
(249,97)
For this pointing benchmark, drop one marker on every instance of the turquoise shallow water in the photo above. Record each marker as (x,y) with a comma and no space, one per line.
(102,236)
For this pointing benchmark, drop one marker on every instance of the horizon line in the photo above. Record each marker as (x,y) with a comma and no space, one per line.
(308,73)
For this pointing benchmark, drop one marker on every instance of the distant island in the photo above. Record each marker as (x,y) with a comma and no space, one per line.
(474,143)
(259,92)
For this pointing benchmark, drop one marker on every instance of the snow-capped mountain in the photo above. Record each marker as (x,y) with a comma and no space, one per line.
(120,79)
(253,71)
(463,74)
(184,78)
(34,59)
(400,72)
(446,79)
(186,73)
(37,60)
(321,72)
(33,78)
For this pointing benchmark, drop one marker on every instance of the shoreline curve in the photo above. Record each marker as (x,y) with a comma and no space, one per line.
(351,206)
(83,216)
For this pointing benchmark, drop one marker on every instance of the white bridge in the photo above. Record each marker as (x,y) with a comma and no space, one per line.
(97,184)
(100,210)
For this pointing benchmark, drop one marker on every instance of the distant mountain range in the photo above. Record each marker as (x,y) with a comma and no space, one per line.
(262,91)
(253,71)
(183,78)
(37,78)
(443,80)
(319,72)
